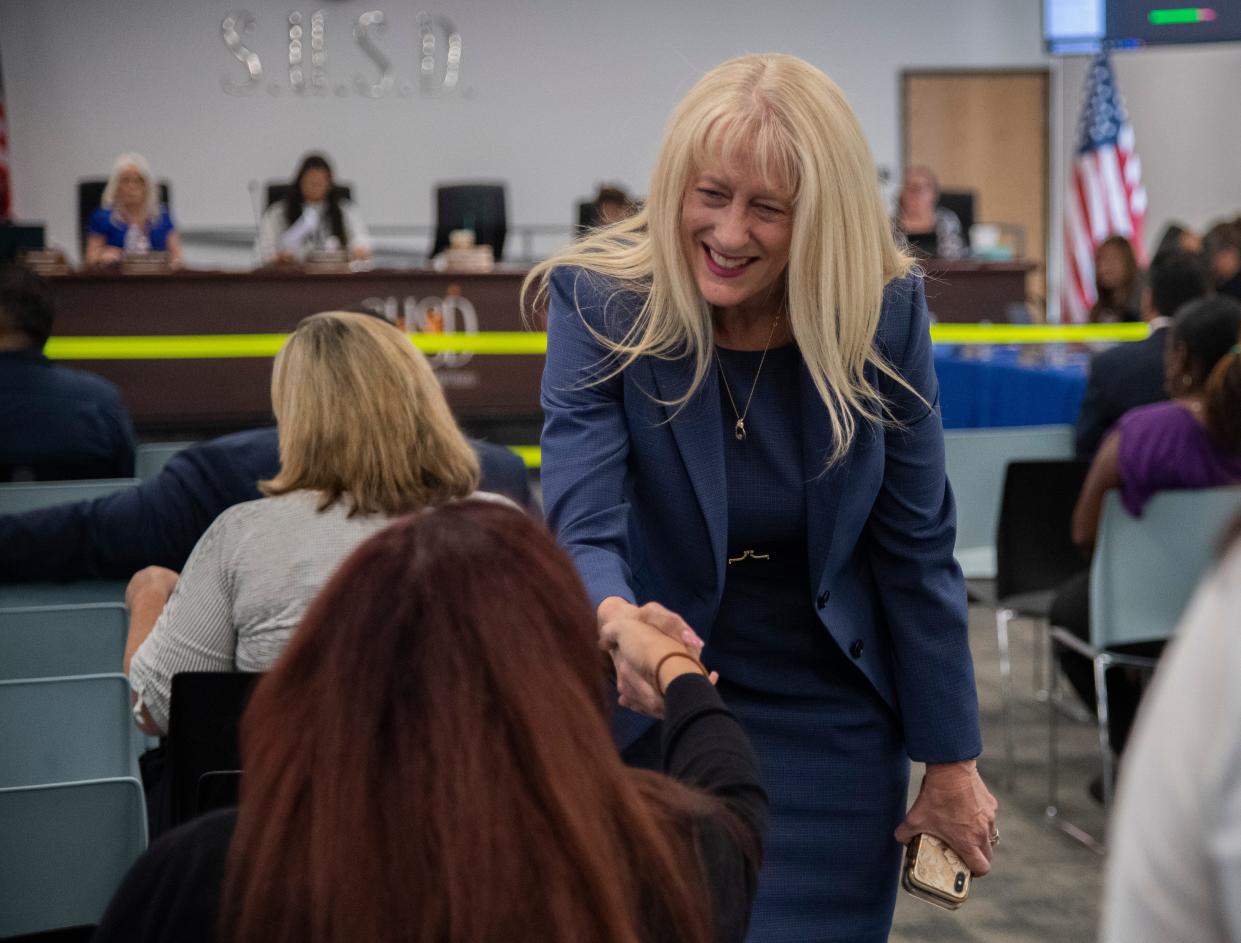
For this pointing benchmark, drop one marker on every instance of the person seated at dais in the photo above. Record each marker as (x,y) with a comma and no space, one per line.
(130,217)
(931,229)
(314,216)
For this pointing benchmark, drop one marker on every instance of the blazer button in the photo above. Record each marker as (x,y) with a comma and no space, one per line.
(856,648)
(822,599)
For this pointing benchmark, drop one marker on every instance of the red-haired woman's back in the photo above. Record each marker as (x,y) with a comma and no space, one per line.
(430,761)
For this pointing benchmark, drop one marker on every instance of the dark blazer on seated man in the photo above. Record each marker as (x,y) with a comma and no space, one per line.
(55,423)
(1131,375)
(160,521)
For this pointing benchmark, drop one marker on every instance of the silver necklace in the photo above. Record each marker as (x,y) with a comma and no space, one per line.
(739,428)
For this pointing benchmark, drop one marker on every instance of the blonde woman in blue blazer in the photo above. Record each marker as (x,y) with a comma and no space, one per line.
(742,446)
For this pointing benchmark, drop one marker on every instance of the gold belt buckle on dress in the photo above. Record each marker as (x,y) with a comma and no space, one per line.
(748,555)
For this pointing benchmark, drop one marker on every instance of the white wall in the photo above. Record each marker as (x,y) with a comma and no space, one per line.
(558,94)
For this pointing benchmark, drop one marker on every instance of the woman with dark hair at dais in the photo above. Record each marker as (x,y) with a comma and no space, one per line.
(429,761)
(315,216)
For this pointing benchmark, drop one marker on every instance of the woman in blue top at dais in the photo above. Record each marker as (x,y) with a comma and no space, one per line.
(130,218)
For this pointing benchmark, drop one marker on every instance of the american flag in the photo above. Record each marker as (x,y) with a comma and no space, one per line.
(1105,194)
(6,194)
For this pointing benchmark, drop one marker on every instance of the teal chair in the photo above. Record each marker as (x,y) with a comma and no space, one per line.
(29,496)
(975,460)
(1143,573)
(56,730)
(151,457)
(58,641)
(79,592)
(64,849)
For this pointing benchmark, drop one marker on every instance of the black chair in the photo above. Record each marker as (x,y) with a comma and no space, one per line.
(475,206)
(203,743)
(90,196)
(587,216)
(277,190)
(1034,555)
(960,202)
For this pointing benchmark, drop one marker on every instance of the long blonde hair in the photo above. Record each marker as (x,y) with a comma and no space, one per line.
(150,208)
(361,416)
(794,123)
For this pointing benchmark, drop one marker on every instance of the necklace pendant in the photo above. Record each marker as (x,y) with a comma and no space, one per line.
(739,430)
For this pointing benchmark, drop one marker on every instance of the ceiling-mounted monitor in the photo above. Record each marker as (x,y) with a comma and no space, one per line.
(1080,27)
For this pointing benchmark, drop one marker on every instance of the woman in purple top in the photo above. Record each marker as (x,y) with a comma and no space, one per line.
(1191,441)
(130,217)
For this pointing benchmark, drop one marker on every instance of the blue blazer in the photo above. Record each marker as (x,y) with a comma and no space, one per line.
(636,492)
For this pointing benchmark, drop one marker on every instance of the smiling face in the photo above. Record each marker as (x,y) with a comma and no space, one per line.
(737,228)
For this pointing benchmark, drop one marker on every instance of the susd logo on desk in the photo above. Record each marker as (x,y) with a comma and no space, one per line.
(452,314)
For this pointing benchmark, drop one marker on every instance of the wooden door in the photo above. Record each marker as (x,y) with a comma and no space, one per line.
(987,131)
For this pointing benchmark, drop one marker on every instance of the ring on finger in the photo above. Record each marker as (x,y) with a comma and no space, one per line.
(995,838)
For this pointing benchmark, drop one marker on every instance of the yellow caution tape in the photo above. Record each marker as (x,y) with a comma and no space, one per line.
(521,343)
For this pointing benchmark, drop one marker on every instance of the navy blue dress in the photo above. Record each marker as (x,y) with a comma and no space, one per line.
(831,751)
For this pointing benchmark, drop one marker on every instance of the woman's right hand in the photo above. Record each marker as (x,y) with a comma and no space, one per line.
(638,637)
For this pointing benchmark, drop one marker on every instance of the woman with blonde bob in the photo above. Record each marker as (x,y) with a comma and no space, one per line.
(365,436)
(130,217)
(742,447)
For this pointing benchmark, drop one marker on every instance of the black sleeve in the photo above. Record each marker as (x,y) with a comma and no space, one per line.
(705,747)
(124,441)
(172,893)
(155,523)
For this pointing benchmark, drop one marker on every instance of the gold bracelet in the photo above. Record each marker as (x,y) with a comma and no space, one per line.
(659,664)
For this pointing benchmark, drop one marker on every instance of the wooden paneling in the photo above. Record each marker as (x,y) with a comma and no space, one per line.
(986,131)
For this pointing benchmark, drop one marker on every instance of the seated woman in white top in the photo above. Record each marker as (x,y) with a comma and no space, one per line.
(365,436)
(313,216)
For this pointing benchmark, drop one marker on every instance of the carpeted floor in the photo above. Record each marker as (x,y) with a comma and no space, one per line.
(1044,886)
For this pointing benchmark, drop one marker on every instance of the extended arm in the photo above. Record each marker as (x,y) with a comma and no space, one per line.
(585,440)
(194,632)
(1104,475)
(911,531)
(157,522)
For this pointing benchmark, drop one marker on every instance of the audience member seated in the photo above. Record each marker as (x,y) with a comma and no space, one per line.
(1222,247)
(130,218)
(1178,236)
(158,522)
(1174,840)
(430,759)
(313,217)
(1191,441)
(365,435)
(931,229)
(1118,289)
(612,204)
(1132,374)
(55,422)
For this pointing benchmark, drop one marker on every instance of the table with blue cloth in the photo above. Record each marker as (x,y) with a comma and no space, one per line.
(1010,386)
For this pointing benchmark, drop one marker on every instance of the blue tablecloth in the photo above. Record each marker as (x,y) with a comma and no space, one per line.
(1005,386)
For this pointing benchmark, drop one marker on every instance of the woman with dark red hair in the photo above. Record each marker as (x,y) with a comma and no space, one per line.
(430,760)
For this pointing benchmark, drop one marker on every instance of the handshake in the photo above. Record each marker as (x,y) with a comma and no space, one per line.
(650,647)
